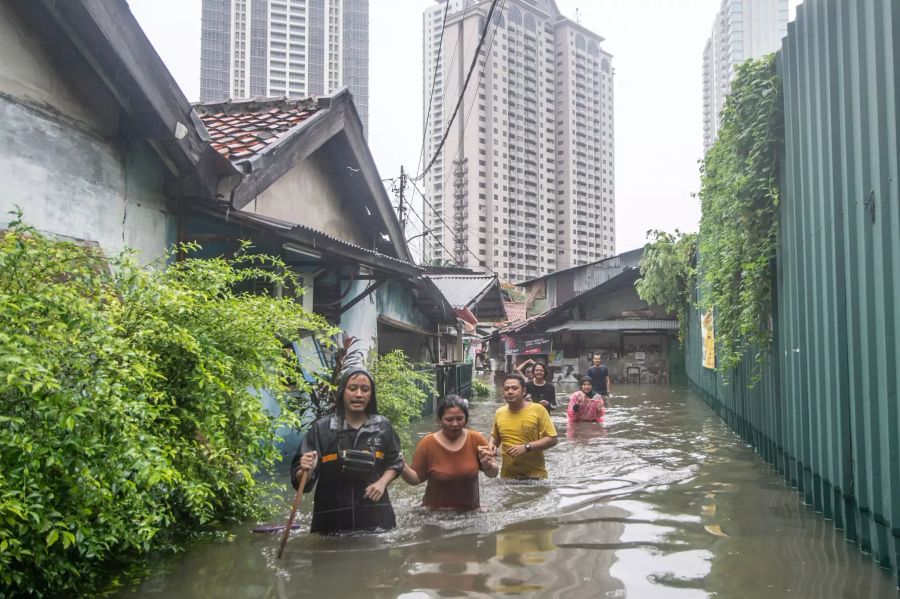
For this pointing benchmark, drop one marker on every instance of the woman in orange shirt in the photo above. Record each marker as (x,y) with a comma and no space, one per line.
(449,460)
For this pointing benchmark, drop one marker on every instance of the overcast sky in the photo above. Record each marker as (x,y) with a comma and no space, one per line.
(657,48)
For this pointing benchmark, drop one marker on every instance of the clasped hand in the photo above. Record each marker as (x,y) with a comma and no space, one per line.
(486,455)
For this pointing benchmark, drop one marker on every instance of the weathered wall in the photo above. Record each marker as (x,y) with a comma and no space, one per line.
(361,321)
(396,303)
(624,303)
(60,164)
(307,194)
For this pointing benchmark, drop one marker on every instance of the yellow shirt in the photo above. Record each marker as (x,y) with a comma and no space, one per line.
(528,425)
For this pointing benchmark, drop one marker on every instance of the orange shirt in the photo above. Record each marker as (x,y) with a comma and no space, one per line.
(452,475)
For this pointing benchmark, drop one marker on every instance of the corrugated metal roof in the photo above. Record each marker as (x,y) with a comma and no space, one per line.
(462,290)
(619,324)
(285,228)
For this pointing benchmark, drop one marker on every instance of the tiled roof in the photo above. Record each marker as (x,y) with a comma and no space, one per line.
(242,129)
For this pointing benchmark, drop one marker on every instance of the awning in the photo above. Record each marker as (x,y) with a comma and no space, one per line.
(620,324)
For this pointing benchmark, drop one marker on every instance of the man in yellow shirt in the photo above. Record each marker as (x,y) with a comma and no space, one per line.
(523,431)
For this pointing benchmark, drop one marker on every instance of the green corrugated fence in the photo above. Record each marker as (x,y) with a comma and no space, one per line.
(826,410)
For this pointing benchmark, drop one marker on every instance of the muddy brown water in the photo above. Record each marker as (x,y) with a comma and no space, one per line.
(662,500)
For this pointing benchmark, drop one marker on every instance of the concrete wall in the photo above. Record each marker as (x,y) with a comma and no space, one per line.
(60,162)
(308,195)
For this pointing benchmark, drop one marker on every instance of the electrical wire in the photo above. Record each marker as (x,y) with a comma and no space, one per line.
(462,95)
(487,56)
(446,81)
(481,262)
(437,64)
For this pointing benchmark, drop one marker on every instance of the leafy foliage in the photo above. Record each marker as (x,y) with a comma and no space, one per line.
(127,414)
(480,388)
(739,194)
(401,389)
(668,274)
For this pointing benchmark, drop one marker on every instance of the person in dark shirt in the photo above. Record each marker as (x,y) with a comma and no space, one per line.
(539,389)
(352,456)
(600,375)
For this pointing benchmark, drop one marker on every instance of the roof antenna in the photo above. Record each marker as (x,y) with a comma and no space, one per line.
(578,16)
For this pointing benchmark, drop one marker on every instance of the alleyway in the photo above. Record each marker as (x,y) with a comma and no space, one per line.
(664,501)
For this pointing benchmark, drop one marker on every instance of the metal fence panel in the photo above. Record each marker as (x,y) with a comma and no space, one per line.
(826,412)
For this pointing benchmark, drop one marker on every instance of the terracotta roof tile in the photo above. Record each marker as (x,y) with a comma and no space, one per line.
(240,130)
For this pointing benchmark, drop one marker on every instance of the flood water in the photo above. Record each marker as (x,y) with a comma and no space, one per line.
(663,500)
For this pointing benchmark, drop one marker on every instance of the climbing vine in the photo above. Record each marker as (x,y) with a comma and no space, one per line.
(668,275)
(739,194)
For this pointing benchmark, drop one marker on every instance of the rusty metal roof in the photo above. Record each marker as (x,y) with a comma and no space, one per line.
(242,129)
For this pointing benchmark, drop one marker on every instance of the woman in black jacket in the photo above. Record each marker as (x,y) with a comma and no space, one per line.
(353,455)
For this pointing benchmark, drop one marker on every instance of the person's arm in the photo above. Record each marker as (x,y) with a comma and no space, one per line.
(541,444)
(375,491)
(608,384)
(495,437)
(418,472)
(307,458)
(523,365)
(393,465)
(409,476)
(488,465)
(486,455)
(547,440)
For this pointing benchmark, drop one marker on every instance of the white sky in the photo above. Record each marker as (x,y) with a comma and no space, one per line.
(657,48)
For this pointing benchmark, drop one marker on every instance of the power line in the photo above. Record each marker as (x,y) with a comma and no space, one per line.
(446,81)
(462,95)
(459,142)
(474,98)
(481,262)
(437,64)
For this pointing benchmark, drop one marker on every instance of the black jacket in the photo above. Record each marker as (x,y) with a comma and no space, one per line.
(339,505)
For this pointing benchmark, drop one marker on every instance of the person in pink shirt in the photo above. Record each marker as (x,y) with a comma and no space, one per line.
(585,405)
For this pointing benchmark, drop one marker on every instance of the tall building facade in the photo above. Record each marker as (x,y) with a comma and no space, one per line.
(292,48)
(743,29)
(525,183)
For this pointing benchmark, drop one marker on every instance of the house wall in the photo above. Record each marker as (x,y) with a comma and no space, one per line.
(361,321)
(396,302)
(645,356)
(60,161)
(308,195)
(624,303)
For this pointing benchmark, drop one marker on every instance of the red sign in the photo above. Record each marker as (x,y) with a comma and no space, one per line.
(527,345)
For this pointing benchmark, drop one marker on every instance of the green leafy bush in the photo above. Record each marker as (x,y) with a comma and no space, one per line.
(739,194)
(480,388)
(127,414)
(668,276)
(402,390)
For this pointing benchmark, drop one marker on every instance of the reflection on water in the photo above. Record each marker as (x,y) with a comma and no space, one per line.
(660,501)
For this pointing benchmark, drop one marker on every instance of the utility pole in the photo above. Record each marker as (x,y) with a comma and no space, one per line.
(401,212)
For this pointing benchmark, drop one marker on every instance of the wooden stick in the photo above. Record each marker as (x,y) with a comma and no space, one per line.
(290,522)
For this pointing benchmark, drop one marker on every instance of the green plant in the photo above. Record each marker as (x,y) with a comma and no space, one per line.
(127,416)
(401,389)
(668,276)
(480,388)
(739,194)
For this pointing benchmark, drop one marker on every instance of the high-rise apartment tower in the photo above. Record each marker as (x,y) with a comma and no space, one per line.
(293,48)
(525,183)
(743,29)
